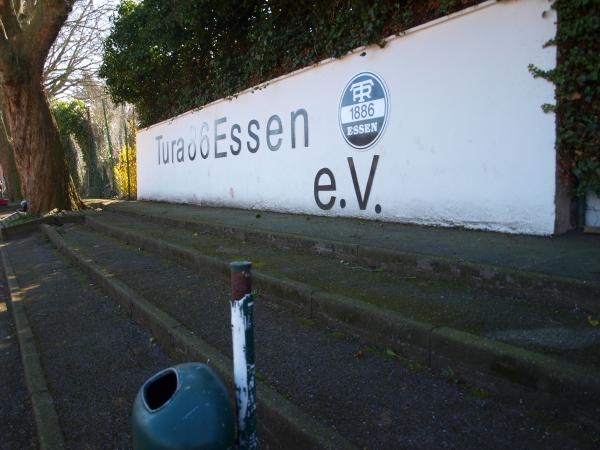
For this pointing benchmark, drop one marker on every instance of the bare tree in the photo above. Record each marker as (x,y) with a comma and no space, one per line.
(28,28)
(76,54)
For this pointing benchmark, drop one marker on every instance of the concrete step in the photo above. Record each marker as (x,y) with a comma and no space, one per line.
(16,413)
(282,424)
(324,371)
(564,270)
(545,347)
(85,360)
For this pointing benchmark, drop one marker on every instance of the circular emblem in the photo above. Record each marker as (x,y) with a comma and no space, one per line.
(363,110)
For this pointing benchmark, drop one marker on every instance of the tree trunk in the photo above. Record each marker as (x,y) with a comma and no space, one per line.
(7,161)
(27,31)
(39,156)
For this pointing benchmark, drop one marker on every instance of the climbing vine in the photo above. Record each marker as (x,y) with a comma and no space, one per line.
(75,127)
(576,78)
(69,116)
(167,57)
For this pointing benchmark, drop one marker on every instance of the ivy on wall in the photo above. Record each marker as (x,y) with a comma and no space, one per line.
(70,118)
(577,81)
(74,126)
(167,57)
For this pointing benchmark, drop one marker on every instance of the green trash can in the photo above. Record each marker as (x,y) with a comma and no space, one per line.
(183,407)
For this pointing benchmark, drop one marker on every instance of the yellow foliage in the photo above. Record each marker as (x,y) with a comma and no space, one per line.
(120,171)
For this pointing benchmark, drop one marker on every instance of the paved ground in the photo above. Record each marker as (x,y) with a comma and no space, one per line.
(559,331)
(376,399)
(94,358)
(17,427)
(573,255)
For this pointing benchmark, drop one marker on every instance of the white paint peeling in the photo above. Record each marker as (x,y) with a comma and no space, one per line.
(239,325)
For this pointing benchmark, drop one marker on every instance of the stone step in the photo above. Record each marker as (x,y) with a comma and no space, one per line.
(329,374)
(92,359)
(487,331)
(563,270)
(281,424)
(18,428)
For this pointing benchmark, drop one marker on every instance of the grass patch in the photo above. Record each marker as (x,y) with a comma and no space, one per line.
(361,352)
(415,366)
(389,353)
(337,335)
(19,218)
(451,376)
(478,393)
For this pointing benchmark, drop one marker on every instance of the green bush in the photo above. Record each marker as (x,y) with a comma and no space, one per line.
(73,124)
(167,57)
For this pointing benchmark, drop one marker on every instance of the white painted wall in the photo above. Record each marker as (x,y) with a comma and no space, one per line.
(592,212)
(466,142)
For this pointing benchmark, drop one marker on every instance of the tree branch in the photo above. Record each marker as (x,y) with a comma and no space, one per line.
(76,53)
(5,48)
(47,18)
(9,33)
(8,15)
(62,46)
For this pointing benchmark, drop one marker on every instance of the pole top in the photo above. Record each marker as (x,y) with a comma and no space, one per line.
(240,266)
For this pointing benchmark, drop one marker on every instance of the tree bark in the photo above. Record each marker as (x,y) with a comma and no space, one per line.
(39,156)
(7,161)
(26,36)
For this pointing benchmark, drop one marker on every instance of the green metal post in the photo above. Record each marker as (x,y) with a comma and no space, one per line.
(244,371)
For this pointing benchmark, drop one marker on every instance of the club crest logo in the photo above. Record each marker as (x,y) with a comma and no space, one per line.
(363,111)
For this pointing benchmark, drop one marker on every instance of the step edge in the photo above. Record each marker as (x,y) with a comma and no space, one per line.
(365,252)
(300,422)
(48,429)
(419,333)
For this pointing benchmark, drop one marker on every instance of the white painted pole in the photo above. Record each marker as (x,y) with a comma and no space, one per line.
(244,371)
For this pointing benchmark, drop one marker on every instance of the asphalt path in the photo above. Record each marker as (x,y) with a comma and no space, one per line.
(373,397)
(17,427)
(95,359)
